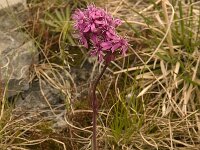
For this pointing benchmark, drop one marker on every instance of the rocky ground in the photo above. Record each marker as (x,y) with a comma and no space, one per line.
(34,89)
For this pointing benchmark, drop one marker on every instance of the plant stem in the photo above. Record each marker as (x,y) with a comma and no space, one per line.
(1,88)
(95,108)
(168,24)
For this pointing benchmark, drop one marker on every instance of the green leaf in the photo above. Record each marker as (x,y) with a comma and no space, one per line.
(164,57)
(189,80)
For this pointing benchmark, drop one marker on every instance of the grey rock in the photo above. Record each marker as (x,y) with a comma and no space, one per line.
(17,53)
(13,18)
(8,3)
(17,50)
(39,97)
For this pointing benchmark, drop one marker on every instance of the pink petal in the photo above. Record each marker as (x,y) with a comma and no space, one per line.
(81,21)
(94,39)
(124,49)
(93,15)
(99,22)
(106,45)
(112,35)
(109,35)
(84,42)
(93,28)
(75,17)
(81,14)
(116,46)
(87,28)
(117,22)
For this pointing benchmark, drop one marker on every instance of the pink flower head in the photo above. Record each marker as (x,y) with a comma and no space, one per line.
(96,29)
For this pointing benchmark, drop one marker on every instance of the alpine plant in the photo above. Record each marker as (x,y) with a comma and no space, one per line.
(96,31)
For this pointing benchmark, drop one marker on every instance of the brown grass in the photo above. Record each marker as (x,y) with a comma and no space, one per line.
(155,87)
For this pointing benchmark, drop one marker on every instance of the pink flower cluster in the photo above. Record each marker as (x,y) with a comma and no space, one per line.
(96,29)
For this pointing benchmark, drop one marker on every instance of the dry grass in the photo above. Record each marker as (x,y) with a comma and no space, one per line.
(148,99)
